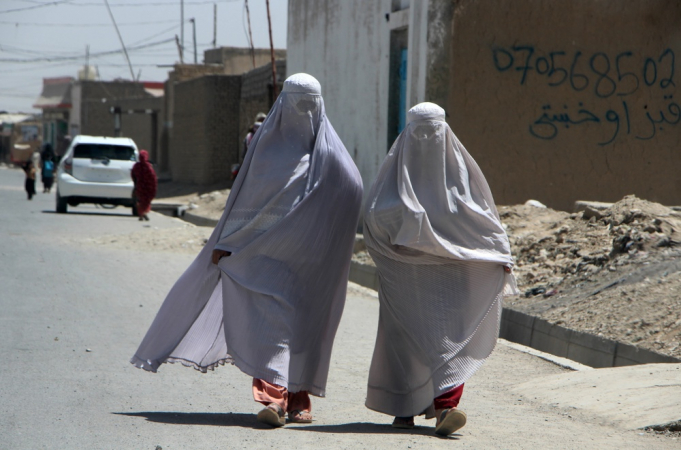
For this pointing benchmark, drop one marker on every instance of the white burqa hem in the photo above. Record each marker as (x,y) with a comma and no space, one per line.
(434,232)
(273,306)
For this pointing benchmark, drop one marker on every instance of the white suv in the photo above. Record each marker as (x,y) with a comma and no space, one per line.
(96,170)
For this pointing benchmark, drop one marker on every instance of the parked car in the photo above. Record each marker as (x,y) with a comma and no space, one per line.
(97,170)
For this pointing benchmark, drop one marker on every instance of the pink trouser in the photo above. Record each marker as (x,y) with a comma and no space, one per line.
(267,393)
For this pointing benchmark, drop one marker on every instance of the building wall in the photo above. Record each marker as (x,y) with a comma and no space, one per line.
(238,60)
(560,101)
(96,100)
(345,44)
(557,101)
(205,141)
(92,114)
(256,94)
(180,72)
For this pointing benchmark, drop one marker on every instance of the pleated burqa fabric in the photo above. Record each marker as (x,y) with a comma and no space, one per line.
(434,232)
(273,306)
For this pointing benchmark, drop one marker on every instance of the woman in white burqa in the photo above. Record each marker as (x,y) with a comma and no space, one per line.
(267,291)
(444,264)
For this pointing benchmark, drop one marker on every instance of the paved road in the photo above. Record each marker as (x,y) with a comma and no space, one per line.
(72,314)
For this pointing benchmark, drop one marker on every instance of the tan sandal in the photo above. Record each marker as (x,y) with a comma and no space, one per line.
(298,416)
(450,420)
(272,415)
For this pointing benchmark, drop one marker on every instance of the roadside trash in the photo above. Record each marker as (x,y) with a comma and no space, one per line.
(535,291)
(550,293)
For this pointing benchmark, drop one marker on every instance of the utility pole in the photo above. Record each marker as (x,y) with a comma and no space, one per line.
(193,21)
(182,25)
(179,49)
(87,62)
(274,65)
(215,24)
(132,72)
(250,35)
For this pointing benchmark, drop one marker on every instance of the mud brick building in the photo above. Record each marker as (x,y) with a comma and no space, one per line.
(557,101)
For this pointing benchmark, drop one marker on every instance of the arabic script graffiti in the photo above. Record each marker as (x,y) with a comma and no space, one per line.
(604,77)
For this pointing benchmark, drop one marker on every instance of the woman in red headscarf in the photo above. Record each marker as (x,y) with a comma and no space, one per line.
(144,177)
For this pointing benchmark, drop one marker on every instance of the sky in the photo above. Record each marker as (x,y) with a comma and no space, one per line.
(48,38)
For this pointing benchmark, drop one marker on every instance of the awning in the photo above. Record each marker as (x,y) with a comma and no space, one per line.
(56,93)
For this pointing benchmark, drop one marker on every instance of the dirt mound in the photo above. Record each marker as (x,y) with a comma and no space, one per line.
(552,247)
(613,271)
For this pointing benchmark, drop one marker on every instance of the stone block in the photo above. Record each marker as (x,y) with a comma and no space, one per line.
(591,350)
(516,326)
(627,355)
(364,275)
(550,338)
(582,205)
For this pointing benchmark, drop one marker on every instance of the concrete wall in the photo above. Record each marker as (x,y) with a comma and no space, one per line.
(557,101)
(96,99)
(180,72)
(92,115)
(256,94)
(238,60)
(561,101)
(205,141)
(345,44)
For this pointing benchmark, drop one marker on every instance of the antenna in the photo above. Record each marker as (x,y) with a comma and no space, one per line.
(132,73)
(250,36)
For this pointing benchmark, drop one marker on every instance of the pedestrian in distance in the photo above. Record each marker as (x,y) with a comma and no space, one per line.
(47,152)
(144,178)
(47,173)
(259,119)
(29,184)
(267,291)
(36,159)
(444,264)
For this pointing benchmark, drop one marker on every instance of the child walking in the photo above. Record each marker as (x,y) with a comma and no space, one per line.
(29,168)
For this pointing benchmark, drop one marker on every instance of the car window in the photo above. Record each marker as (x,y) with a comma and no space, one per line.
(104,151)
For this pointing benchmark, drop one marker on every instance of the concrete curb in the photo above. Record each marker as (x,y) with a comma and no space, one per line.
(168,209)
(198,220)
(557,360)
(539,334)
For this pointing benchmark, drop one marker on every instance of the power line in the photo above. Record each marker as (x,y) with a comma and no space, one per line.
(196,3)
(148,38)
(92,55)
(84,25)
(42,5)
(120,38)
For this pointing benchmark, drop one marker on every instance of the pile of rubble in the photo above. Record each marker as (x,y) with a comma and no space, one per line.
(610,269)
(554,247)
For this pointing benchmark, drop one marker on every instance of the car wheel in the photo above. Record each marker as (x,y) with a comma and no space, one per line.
(61,204)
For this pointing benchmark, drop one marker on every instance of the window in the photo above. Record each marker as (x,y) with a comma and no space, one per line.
(104,151)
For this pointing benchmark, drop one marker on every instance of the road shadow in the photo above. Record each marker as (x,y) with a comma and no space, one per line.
(215,419)
(93,213)
(243,420)
(373,428)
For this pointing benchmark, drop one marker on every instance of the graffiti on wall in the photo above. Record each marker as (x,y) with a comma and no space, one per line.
(595,76)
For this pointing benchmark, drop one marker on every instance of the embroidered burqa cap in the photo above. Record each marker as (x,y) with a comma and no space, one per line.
(434,232)
(273,306)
